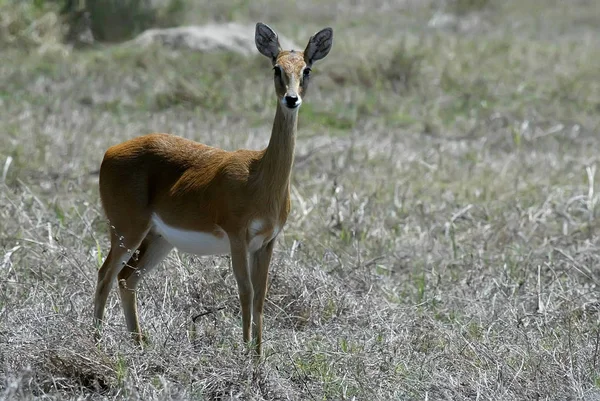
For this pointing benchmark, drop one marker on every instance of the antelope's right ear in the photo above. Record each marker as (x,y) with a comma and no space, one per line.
(318,46)
(266,41)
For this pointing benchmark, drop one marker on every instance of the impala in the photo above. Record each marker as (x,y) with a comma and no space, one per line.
(161,191)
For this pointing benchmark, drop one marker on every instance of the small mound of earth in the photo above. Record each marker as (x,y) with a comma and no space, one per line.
(472,23)
(208,38)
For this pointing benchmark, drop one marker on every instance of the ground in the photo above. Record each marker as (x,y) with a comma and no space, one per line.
(443,238)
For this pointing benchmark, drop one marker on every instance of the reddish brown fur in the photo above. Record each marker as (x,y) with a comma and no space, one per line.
(199,188)
(190,185)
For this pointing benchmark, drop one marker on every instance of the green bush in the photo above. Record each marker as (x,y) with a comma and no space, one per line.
(117,20)
(463,7)
(41,21)
(28,24)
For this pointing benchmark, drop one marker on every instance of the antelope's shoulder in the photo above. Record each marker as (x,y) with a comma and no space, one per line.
(239,164)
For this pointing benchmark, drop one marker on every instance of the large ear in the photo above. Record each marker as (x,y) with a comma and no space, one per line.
(318,46)
(266,41)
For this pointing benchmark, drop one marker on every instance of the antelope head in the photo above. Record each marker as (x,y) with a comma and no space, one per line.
(292,68)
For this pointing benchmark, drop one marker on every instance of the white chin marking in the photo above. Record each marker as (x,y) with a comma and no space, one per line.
(291,109)
(196,242)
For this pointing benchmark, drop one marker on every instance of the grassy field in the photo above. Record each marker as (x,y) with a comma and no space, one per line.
(443,242)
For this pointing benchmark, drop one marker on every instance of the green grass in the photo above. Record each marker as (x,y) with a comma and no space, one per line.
(443,240)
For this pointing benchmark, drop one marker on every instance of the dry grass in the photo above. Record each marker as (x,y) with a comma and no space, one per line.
(443,242)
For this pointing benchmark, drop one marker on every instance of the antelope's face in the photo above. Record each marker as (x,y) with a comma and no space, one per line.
(292,68)
(291,78)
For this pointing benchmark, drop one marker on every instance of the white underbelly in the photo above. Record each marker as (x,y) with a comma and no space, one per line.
(196,242)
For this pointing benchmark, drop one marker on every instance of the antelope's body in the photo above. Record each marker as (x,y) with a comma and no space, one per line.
(179,189)
(161,191)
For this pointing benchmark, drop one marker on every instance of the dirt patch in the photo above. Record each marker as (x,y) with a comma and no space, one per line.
(232,37)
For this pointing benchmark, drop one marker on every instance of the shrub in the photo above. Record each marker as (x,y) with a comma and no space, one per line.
(463,7)
(117,20)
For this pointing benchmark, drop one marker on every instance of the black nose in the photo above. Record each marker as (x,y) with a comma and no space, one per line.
(291,101)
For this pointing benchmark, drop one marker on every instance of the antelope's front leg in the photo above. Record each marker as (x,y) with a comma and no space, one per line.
(260,274)
(239,262)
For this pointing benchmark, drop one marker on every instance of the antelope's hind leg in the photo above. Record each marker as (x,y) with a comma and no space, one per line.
(152,251)
(121,250)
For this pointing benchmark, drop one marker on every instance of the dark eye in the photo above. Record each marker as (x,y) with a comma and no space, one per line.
(277,70)
(306,72)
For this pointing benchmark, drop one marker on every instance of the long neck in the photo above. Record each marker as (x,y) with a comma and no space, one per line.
(278,158)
